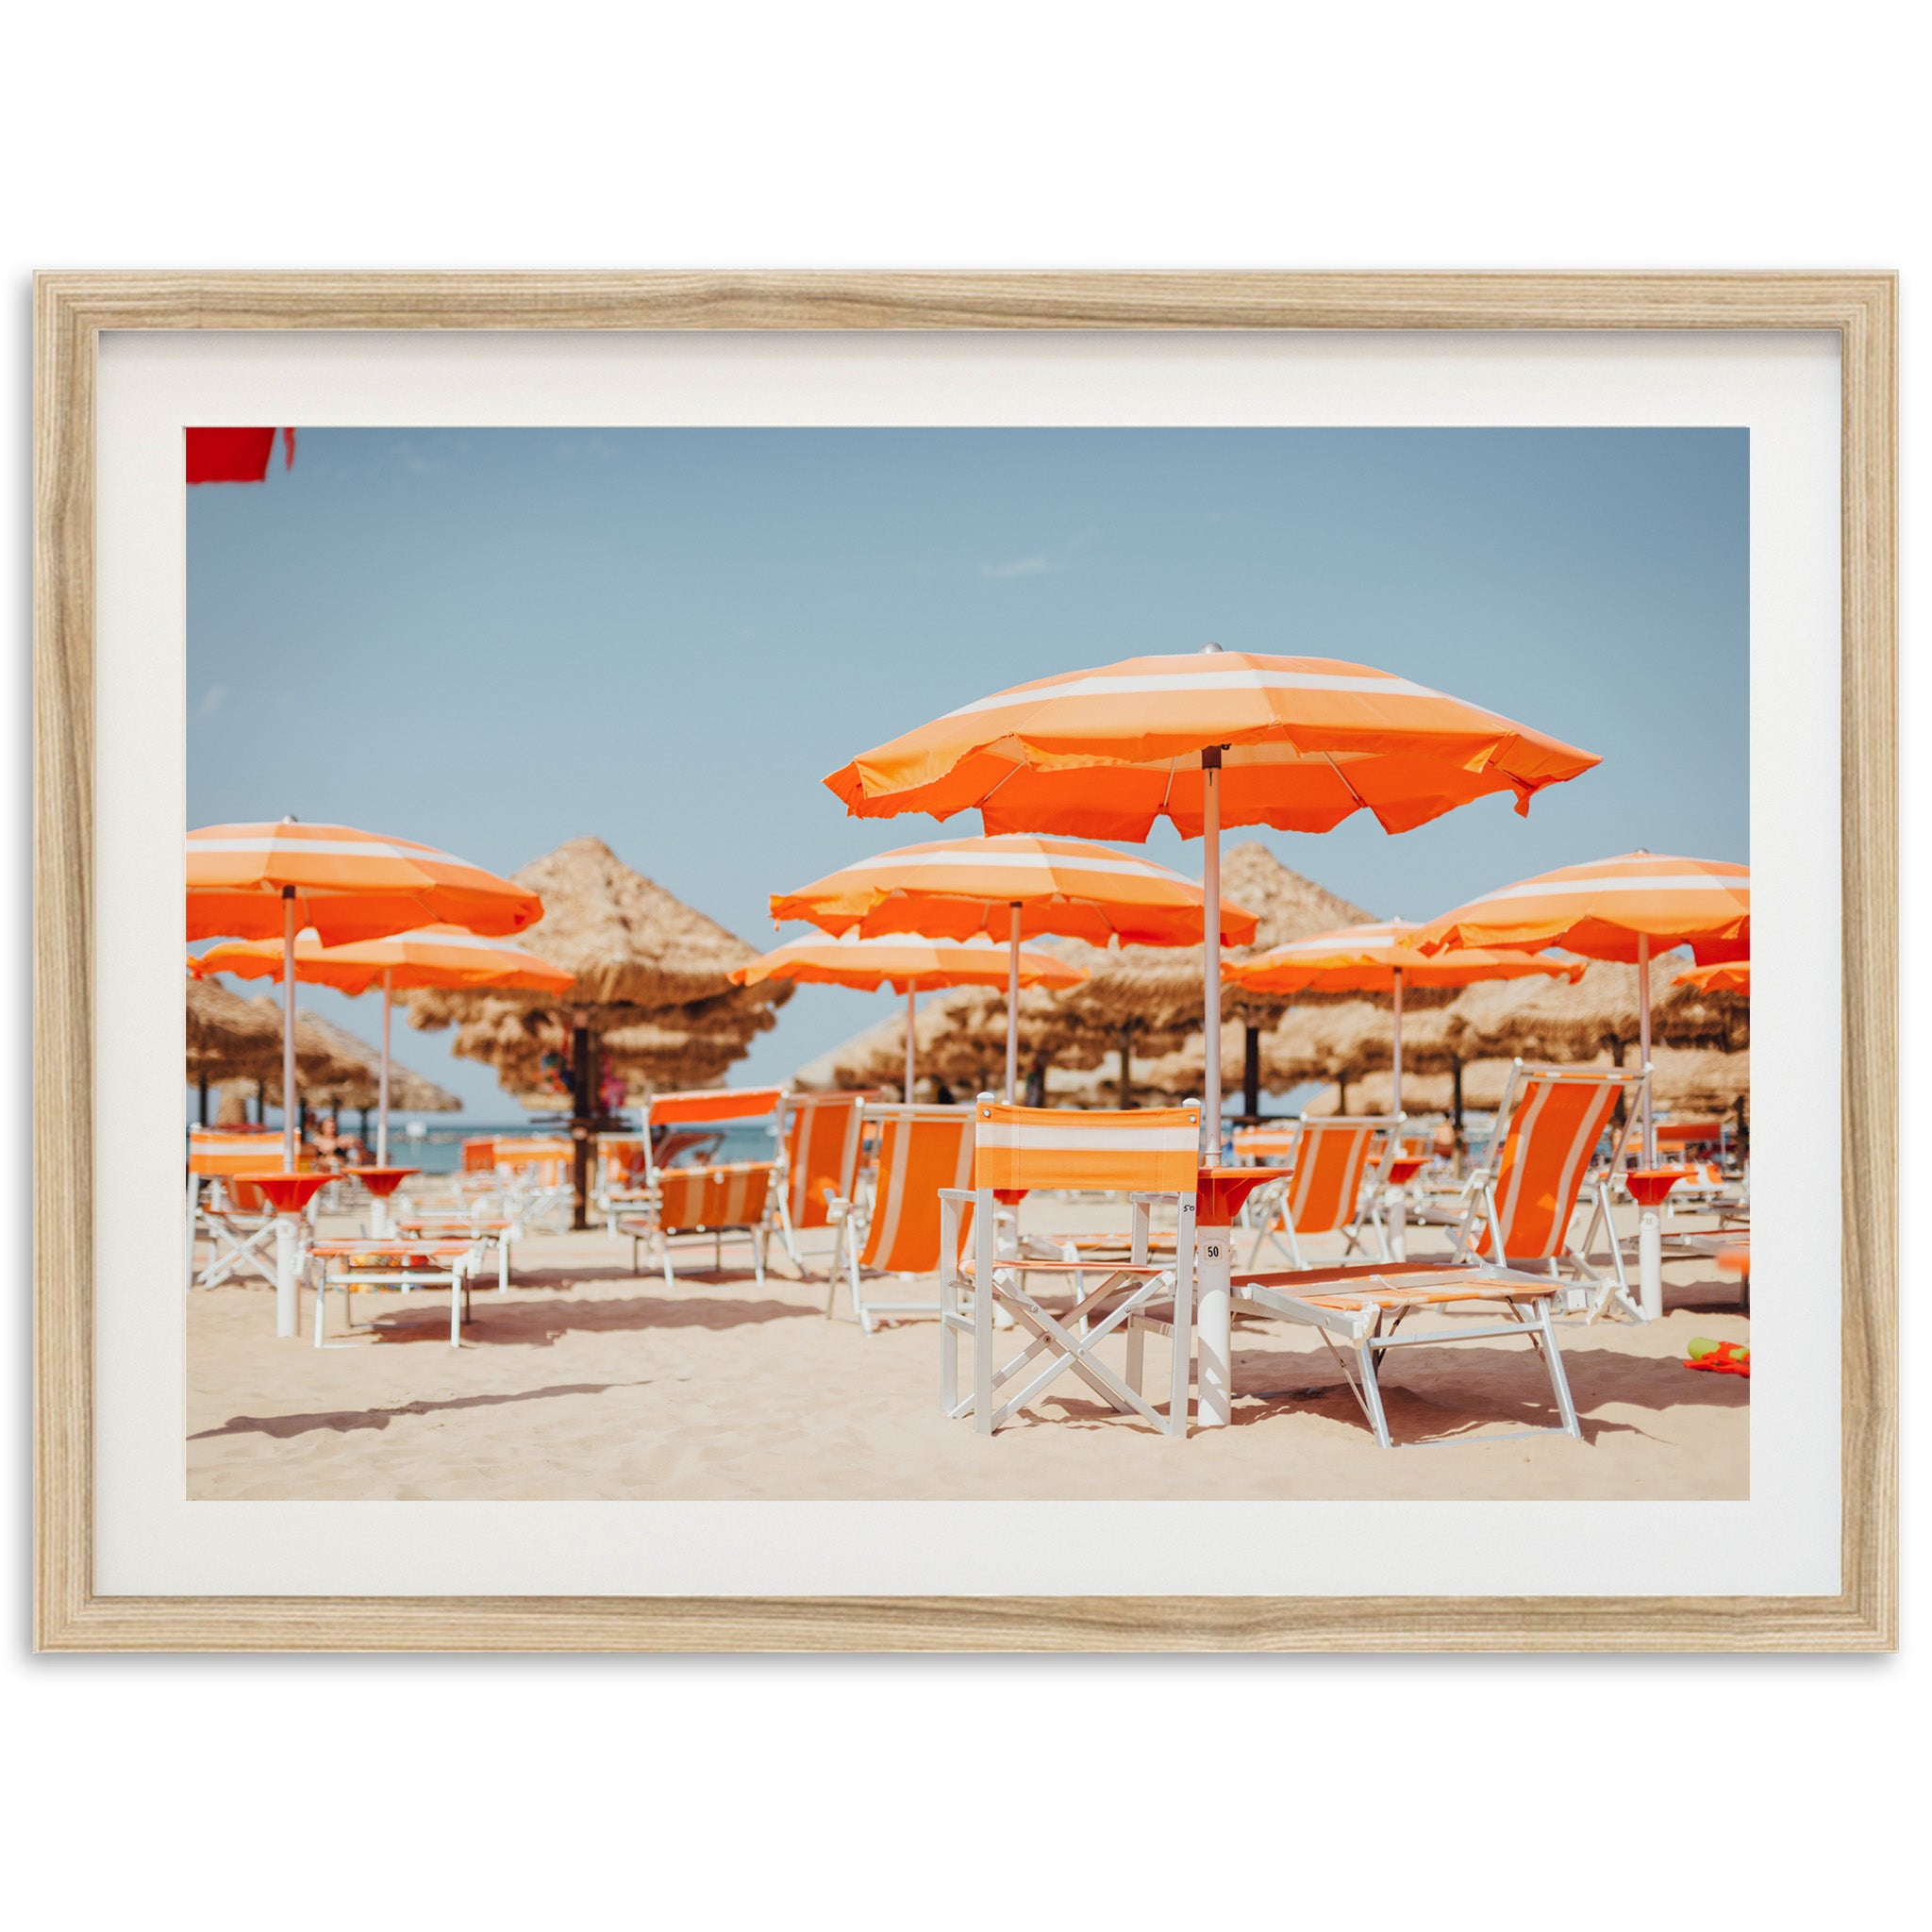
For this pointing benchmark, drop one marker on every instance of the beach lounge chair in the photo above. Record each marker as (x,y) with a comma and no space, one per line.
(697,1203)
(822,1135)
(491,1233)
(535,1182)
(1150,1154)
(1358,1311)
(224,1208)
(1522,1197)
(921,1150)
(359,1263)
(1333,1187)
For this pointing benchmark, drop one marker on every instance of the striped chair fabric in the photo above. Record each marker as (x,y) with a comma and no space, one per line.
(698,1199)
(1330,1163)
(712,1104)
(921,1151)
(1151,1150)
(225,1151)
(822,1137)
(1554,1127)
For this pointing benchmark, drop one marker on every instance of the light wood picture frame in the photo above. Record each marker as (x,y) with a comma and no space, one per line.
(72,312)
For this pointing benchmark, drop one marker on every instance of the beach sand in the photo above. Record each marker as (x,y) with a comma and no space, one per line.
(587,1382)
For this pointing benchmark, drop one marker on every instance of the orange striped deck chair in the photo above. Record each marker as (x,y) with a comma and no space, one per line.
(224,1208)
(1331,1189)
(1265,1146)
(1150,1154)
(823,1133)
(919,1152)
(697,1203)
(1542,1156)
(536,1172)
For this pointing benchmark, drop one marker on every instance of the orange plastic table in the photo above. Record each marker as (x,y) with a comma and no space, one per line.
(1649,1185)
(382,1181)
(1219,1193)
(289,1194)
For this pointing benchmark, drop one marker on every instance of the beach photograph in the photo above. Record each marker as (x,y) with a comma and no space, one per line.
(1004,964)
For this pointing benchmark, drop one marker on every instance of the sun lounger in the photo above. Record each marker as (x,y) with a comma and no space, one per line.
(685,1206)
(823,1133)
(1153,1156)
(493,1234)
(921,1150)
(1522,1199)
(1358,1310)
(359,1263)
(1332,1188)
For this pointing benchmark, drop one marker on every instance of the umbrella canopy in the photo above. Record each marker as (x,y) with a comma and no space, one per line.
(1625,908)
(908,963)
(1213,739)
(431,955)
(1012,888)
(955,888)
(1382,960)
(1611,908)
(1727,975)
(1102,753)
(348,885)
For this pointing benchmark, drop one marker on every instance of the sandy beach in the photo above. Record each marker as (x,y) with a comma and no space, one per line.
(586,1381)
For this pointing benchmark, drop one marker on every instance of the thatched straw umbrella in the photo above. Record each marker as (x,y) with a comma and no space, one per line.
(227,1040)
(638,954)
(348,1069)
(1140,991)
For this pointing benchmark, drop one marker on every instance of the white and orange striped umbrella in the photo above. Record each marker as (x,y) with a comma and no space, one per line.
(1012,888)
(431,955)
(1726,976)
(348,885)
(1382,959)
(1206,740)
(1628,907)
(955,888)
(1613,908)
(1307,741)
(268,881)
(910,963)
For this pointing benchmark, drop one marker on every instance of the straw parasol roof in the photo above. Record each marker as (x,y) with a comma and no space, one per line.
(353,1069)
(641,959)
(229,1038)
(1685,1081)
(628,941)
(1551,1020)
(1160,987)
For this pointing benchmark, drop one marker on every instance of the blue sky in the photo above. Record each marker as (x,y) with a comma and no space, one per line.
(495,639)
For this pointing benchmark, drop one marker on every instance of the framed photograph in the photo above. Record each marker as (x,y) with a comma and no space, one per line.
(1261,1153)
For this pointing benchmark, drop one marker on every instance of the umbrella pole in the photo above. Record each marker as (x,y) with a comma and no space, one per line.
(1013,1007)
(382,1077)
(1210,912)
(1643,1043)
(289,1030)
(911,995)
(1396,1054)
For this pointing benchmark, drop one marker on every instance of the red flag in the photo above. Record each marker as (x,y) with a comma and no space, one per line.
(233,456)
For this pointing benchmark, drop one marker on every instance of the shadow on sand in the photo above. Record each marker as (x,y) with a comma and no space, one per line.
(502,1323)
(343,1421)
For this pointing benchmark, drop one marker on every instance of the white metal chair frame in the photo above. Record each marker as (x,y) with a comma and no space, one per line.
(646,1225)
(835,1201)
(1480,1189)
(349,1279)
(853,1217)
(240,1240)
(1267,1203)
(1527,1299)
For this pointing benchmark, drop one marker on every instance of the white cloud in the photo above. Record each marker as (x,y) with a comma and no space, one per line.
(212,701)
(1019,567)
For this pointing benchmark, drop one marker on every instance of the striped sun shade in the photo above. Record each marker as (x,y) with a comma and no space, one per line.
(348,885)
(955,888)
(1603,909)
(908,963)
(430,956)
(1102,753)
(1366,958)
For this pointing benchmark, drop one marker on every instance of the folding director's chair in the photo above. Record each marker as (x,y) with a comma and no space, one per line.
(1151,1155)
(222,1207)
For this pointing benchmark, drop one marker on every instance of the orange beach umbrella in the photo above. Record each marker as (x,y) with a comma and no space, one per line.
(264,881)
(1206,740)
(1382,959)
(1627,908)
(1727,975)
(909,963)
(1012,888)
(431,955)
